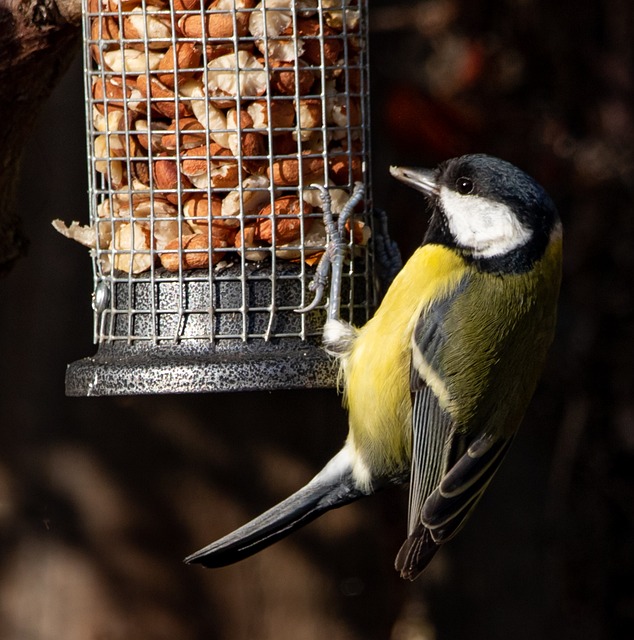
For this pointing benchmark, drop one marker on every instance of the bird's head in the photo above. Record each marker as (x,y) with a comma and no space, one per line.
(486,208)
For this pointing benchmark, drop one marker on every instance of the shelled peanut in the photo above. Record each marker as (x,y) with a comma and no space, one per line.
(211,121)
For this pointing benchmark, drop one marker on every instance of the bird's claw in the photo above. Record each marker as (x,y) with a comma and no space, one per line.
(334,253)
(387,254)
(318,285)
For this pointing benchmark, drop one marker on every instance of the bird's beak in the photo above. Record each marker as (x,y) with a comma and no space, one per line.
(420,179)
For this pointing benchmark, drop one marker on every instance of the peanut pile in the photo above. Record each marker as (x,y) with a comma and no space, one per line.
(210,122)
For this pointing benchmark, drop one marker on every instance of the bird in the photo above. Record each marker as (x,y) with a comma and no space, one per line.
(438,380)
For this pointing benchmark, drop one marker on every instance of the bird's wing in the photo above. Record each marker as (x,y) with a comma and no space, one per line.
(450,469)
(433,430)
(449,505)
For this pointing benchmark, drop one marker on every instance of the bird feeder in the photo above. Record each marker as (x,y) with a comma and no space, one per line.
(211,127)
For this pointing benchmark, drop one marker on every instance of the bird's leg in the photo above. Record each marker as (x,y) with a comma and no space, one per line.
(337,246)
(320,279)
(334,254)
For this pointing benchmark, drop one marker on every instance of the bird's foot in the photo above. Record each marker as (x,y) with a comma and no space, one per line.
(388,256)
(333,257)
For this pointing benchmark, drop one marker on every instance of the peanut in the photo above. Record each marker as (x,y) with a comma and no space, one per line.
(287,229)
(191,252)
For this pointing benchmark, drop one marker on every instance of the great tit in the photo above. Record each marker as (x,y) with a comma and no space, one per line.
(437,382)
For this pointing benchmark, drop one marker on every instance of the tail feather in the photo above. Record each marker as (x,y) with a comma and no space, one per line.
(416,553)
(333,487)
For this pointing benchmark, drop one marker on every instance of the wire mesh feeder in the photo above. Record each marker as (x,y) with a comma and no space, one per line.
(208,125)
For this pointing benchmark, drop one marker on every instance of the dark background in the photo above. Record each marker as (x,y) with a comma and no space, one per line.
(100,498)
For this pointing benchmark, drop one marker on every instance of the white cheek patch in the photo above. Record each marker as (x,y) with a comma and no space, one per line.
(488,228)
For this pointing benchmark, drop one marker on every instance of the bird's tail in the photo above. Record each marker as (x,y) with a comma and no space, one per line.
(333,487)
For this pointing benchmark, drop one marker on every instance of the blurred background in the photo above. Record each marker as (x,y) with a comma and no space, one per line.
(101,498)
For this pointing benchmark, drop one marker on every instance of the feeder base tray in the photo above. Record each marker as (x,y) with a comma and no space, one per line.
(148,369)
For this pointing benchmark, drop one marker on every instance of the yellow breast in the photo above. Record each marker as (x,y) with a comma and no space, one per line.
(376,373)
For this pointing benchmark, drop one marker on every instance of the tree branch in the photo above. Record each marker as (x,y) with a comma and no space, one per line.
(38,39)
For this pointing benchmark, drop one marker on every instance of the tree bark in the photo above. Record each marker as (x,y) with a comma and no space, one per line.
(38,39)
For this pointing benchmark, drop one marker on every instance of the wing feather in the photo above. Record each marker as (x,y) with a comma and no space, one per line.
(451,467)
(432,432)
(449,505)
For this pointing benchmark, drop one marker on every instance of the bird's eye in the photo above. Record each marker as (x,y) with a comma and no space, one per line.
(464,186)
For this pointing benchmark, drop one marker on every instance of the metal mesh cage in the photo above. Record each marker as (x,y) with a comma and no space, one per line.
(209,123)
